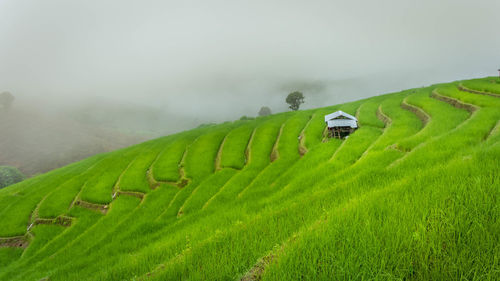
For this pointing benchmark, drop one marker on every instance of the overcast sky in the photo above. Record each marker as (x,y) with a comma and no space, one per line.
(227,58)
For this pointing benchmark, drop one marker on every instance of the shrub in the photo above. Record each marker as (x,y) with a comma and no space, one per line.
(9,176)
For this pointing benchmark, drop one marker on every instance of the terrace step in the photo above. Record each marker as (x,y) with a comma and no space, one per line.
(60,220)
(103,208)
(382,117)
(422,115)
(302,138)
(454,102)
(218,158)
(494,131)
(248,150)
(462,88)
(14,242)
(275,153)
(139,195)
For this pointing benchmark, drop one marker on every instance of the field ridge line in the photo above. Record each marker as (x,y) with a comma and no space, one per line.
(356,114)
(20,241)
(183,179)
(116,186)
(153,183)
(218,157)
(215,195)
(251,182)
(454,102)
(275,152)
(383,117)
(103,208)
(248,149)
(336,151)
(387,123)
(182,171)
(494,130)
(217,168)
(247,162)
(421,114)
(255,273)
(474,111)
(302,138)
(36,215)
(462,88)
(168,206)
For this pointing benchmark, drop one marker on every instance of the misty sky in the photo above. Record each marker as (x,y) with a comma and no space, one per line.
(223,59)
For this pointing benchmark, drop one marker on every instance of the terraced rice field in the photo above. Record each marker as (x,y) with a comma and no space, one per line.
(413,194)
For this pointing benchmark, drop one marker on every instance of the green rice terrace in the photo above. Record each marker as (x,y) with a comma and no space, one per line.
(412,194)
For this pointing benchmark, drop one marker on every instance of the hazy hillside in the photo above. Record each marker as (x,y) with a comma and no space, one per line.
(36,142)
(413,194)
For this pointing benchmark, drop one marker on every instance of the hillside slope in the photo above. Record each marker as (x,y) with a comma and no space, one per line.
(35,142)
(413,194)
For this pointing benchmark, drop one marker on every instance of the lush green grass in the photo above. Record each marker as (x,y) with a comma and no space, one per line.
(166,167)
(99,186)
(397,200)
(200,156)
(134,178)
(207,189)
(43,234)
(22,199)
(415,227)
(59,200)
(489,85)
(233,154)
(443,118)
(259,158)
(7,255)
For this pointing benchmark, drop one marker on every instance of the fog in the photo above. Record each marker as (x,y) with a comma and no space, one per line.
(164,66)
(223,59)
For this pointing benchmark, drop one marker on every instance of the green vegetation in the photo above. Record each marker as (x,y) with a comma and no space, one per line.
(9,176)
(489,85)
(233,154)
(413,194)
(295,99)
(264,111)
(166,167)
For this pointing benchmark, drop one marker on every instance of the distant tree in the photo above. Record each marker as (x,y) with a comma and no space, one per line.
(10,175)
(206,125)
(264,111)
(295,99)
(244,117)
(6,99)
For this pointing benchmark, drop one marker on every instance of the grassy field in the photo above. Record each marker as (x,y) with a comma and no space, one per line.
(413,194)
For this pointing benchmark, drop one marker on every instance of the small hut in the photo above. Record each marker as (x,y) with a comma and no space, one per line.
(340,124)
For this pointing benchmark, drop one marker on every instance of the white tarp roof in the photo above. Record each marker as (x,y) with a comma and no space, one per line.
(342,123)
(337,114)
